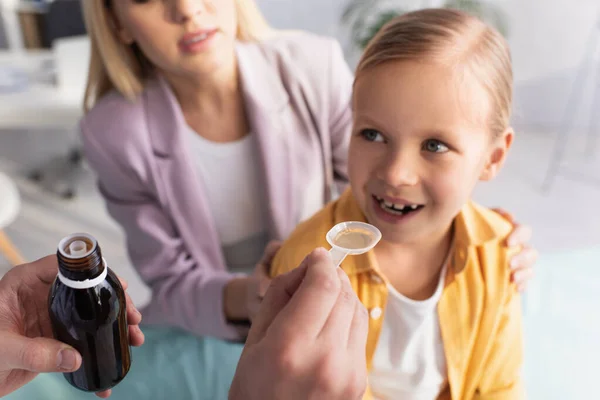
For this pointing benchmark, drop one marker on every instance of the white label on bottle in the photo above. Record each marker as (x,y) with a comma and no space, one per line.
(88,283)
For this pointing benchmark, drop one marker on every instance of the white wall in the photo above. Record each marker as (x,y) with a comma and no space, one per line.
(547,38)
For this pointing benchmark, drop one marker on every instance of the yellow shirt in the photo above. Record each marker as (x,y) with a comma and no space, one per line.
(479,311)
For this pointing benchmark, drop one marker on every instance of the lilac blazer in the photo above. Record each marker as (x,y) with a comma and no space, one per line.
(297,91)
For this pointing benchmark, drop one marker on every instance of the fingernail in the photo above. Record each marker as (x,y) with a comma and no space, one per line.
(67,359)
(320,250)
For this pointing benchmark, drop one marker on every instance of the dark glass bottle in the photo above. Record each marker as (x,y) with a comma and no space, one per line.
(88,311)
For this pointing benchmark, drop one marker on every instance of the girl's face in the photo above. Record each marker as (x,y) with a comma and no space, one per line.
(419,145)
(181,37)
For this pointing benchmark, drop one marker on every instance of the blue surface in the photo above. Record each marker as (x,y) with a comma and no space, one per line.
(562,327)
(171,365)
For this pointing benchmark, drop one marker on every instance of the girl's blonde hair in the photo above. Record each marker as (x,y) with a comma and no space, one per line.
(455,38)
(115,65)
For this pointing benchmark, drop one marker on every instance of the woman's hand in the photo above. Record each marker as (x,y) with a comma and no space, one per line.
(243,295)
(523,262)
(260,281)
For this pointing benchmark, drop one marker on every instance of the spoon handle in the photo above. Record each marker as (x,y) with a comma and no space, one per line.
(337,255)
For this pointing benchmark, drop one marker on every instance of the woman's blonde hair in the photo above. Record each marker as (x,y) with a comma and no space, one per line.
(115,65)
(455,38)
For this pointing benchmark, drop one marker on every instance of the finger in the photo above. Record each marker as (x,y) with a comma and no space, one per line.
(136,336)
(526,258)
(261,271)
(123,283)
(359,331)
(277,296)
(270,251)
(134,317)
(263,286)
(516,270)
(309,308)
(505,214)
(38,354)
(268,256)
(522,276)
(337,327)
(45,268)
(104,395)
(520,235)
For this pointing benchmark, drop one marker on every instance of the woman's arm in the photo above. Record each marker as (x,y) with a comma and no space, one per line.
(189,294)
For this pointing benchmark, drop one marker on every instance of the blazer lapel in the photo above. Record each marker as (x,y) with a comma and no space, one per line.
(181,185)
(272,121)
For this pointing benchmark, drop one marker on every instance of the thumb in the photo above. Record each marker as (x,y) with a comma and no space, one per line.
(39,354)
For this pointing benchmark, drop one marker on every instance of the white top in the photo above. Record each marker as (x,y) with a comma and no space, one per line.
(234,184)
(409,361)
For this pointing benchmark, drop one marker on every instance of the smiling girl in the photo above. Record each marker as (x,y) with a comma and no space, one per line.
(431,102)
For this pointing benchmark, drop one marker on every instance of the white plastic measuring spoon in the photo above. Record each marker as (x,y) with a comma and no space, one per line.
(351,238)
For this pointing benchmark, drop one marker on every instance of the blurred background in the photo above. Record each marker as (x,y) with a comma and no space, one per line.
(551,180)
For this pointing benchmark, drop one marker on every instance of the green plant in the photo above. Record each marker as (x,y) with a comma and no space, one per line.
(366,17)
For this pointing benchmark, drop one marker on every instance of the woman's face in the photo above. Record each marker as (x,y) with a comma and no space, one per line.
(180,37)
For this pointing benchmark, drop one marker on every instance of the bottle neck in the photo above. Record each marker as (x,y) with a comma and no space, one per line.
(81,269)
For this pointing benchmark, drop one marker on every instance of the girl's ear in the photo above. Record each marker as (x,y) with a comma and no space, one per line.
(497,156)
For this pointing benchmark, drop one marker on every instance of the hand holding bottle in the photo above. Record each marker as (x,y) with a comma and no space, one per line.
(27,346)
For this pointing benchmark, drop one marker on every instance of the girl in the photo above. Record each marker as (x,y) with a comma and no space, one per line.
(432,99)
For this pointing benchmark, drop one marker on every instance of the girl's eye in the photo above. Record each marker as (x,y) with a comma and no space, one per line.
(372,135)
(435,146)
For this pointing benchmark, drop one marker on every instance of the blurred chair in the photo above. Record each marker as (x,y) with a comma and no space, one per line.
(71,58)
(10,204)
(64,31)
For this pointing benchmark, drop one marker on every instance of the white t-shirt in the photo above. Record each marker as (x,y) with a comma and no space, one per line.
(409,361)
(234,184)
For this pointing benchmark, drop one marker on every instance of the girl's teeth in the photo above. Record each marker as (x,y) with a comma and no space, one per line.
(389,210)
(396,208)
